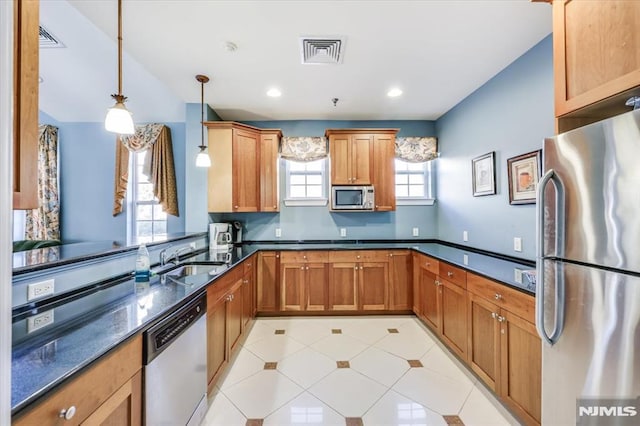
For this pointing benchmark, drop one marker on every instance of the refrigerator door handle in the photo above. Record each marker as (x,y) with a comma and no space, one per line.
(549,176)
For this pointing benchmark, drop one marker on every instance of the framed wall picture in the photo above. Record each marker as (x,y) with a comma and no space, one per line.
(524,172)
(484,174)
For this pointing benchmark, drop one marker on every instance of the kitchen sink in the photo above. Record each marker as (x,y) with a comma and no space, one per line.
(190,274)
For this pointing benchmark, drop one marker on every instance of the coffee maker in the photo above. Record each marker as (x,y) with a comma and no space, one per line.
(220,236)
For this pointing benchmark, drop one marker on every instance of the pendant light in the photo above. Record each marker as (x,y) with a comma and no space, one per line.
(119,118)
(202,159)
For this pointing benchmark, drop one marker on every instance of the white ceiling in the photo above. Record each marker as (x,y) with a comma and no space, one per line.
(437,52)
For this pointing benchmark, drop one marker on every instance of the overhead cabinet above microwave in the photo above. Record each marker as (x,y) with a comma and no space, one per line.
(365,157)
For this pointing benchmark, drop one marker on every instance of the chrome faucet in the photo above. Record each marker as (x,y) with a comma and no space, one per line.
(173,257)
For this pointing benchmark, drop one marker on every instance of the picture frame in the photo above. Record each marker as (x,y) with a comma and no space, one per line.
(484,174)
(524,173)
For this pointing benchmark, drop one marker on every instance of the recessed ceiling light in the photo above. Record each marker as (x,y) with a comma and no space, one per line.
(274,93)
(394,93)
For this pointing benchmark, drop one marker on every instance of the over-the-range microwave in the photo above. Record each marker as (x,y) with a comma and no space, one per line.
(353,198)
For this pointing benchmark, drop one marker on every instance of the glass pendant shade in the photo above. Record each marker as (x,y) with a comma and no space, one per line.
(119,120)
(202,159)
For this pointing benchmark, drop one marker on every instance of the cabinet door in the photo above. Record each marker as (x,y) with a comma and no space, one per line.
(317,286)
(292,286)
(247,297)
(25,107)
(431,299)
(373,280)
(400,277)
(269,194)
(454,317)
(340,152)
(234,316)
(267,285)
(217,355)
(343,290)
(384,179)
(246,151)
(595,51)
(484,339)
(124,407)
(361,159)
(521,368)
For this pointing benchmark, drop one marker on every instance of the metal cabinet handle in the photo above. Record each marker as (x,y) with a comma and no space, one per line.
(494,315)
(67,413)
(428,264)
(390,254)
(235,207)
(302,267)
(274,207)
(358,257)
(307,268)
(501,318)
(277,256)
(304,257)
(438,283)
(355,267)
(449,274)
(549,176)
(498,296)
(361,268)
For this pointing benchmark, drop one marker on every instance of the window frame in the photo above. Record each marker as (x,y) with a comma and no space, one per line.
(133,203)
(429,198)
(305,201)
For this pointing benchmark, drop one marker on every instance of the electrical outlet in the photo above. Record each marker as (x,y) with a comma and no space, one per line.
(517,275)
(343,232)
(517,243)
(416,232)
(465,236)
(41,289)
(193,245)
(278,232)
(465,259)
(39,321)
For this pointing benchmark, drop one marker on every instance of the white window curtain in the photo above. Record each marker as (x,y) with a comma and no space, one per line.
(305,148)
(417,149)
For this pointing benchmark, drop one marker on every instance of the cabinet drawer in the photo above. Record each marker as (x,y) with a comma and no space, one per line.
(248,265)
(359,256)
(452,274)
(512,300)
(304,256)
(90,389)
(428,263)
(221,287)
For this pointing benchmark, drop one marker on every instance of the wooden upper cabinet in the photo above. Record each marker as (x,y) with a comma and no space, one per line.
(596,49)
(269,170)
(25,104)
(384,176)
(361,159)
(339,151)
(244,172)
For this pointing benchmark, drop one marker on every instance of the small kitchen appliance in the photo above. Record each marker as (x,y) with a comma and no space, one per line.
(220,236)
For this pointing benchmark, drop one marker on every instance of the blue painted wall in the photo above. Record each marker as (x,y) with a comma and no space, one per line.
(318,223)
(510,114)
(87,159)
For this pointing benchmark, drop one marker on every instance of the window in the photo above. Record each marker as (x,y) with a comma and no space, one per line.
(413,182)
(306,182)
(148,221)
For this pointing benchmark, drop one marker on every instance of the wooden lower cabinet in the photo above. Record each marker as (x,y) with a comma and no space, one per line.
(373,286)
(454,316)
(292,286)
(217,354)
(343,286)
(248,292)
(108,393)
(400,288)
(267,285)
(483,342)
(431,300)
(317,287)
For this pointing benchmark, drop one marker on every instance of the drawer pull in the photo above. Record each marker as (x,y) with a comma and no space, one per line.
(501,318)
(361,268)
(449,274)
(498,296)
(235,207)
(302,267)
(358,257)
(428,264)
(438,283)
(494,315)
(307,268)
(390,254)
(67,413)
(277,256)
(304,257)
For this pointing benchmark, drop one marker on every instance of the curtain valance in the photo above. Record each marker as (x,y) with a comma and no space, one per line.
(416,149)
(158,165)
(304,148)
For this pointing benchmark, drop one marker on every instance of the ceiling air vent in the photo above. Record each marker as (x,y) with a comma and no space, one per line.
(48,40)
(322,50)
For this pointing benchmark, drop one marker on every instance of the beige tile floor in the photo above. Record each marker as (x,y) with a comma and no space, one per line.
(349,371)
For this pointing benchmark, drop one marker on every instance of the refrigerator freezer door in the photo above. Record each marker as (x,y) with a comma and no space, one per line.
(598,167)
(598,352)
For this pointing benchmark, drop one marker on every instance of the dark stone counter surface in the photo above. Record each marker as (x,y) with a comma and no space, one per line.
(89,326)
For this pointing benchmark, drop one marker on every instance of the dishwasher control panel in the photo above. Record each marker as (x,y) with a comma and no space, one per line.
(169,329)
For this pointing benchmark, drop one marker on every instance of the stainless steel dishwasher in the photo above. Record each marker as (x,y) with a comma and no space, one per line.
(176,368)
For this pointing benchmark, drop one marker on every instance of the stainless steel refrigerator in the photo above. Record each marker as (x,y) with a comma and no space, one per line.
(588,269)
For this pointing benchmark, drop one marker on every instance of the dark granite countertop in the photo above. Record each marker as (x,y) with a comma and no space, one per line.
(112,314)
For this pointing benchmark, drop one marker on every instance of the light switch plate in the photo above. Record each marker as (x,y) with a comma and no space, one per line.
(517,244)
(343,232)
(40,289)
(278,232)
(416,232)
(465,236)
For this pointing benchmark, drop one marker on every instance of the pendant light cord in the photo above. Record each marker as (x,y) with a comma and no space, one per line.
(119,47)
(202,113)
